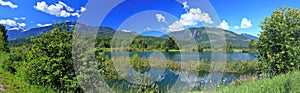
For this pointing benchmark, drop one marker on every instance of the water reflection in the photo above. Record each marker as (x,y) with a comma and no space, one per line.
(176,56)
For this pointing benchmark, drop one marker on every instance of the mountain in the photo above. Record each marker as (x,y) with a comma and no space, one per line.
(18,34)
(200,35)
(249,36)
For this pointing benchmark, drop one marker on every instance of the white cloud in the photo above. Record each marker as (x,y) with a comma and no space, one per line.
(66,6)
(195,16)
(43,25)
(160,18)
(176,26)
(82,9)
(236,27)
(8,3)
(126,30)
(22,24)
(64,13)
(8,22)
(19,18)
(224,25)
(246,23)
(14,28)
(185,6)
(60,9)
(75,14)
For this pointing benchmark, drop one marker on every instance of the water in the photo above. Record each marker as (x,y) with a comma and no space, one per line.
(167,78)
(177,56)
(170,78)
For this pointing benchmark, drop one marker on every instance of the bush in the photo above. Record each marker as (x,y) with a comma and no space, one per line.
(279,43)
(50,61)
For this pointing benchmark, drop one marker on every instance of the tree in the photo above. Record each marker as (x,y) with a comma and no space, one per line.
(50,61)
(200,48)
(252,46)
(279,42)
(229,48)
(168,44)
(3,39)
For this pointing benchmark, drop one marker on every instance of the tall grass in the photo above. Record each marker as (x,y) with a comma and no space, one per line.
(285,83)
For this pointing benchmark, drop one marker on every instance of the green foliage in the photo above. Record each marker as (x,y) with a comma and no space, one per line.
(229,48)
(252,47)
(285,83)
(50,63)
(13,83)
(106,67)
(19,42)
(136,62)
(103,41)
(169,44)
(3,39)
(279,43)
(200,48)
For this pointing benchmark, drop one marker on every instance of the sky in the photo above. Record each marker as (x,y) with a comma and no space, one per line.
(240,16)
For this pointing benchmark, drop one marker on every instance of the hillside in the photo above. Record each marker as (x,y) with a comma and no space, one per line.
(199,34)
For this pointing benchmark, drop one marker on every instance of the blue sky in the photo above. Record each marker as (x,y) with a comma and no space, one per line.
(240,16)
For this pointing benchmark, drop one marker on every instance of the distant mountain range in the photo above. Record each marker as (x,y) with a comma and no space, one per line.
(249,36)
(199,34)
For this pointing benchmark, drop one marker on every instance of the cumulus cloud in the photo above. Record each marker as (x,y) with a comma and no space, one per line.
(246,23)
(60,9)
(8,3)
(176,26)
(8,22)
(43,25)
(13,25)
(160,18)
(66,6)
(193,17)
(185,5)
(224,25)
(64,13)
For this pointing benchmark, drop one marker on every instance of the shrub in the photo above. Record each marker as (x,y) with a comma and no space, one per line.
(279,42)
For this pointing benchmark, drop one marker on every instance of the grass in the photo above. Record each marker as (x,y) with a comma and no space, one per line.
(285,83)
(15,84)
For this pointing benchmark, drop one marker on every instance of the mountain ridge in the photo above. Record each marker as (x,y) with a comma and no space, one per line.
(199,34)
